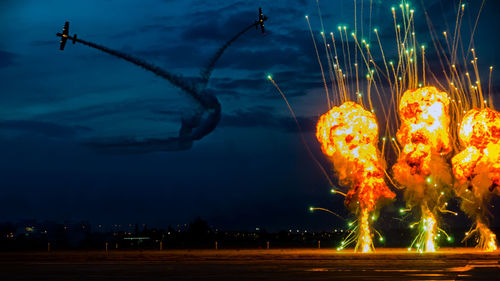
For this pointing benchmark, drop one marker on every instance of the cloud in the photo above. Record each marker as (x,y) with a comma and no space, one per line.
(256,117)
(259,87)
(37,128)
(262,116)
(6,58)
(148,107)
(132,146)
(179,55)
(43,43)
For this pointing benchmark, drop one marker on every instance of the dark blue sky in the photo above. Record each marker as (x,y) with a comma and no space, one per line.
(251,171)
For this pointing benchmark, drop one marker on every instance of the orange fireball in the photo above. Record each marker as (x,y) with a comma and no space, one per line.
(421,168)
(349,135)
(424,129)
(480,127)
(477,170)
(480,160)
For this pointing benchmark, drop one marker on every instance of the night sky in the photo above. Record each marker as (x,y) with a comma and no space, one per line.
(251,171)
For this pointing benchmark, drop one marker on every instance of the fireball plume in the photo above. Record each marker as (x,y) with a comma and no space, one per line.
(477,170)
(349,135)
(425,130)
(421,167)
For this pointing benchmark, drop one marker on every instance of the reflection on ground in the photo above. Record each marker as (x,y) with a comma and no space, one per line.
(289,264)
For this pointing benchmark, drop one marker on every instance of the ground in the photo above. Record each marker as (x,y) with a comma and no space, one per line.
(273,264)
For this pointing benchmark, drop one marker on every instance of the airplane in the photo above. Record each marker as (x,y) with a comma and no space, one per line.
(261,21)
(65,36)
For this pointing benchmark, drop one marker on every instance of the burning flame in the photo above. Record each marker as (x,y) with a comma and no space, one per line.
(429,230)
(477,169)
(480,134)
(424,129)
(349,135)
(424,135)
(487,239)
(365,233)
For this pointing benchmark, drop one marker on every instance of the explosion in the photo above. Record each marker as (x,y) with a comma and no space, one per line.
(421,167)
(349,135)
(477,170)
(425,136)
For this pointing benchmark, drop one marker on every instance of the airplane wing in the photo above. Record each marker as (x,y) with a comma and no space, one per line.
(66,28)
(261,21)
(64,35)
(63,43)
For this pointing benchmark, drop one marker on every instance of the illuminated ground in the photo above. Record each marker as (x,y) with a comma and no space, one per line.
(394,264)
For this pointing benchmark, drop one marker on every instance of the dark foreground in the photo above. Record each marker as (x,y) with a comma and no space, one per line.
(394,264)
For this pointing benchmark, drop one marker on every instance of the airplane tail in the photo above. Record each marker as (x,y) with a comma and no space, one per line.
(74,39)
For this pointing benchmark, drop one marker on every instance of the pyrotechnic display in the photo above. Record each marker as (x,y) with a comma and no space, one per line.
(477,170)
(349,136)
(254,140)
(422,123)
(421,168)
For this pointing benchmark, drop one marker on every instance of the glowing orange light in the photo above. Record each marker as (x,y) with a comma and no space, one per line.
(349,135)
(424,129)
(487,239)
(365,233)
(477,168)
(480,134)
(424,135)
(430,231)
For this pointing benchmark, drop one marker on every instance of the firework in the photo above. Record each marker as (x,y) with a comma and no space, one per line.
(349,135)
(421,167)
(477,170)
(422,119)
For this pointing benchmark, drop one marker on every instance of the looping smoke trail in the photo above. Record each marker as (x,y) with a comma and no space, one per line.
(207,71)
(194,127)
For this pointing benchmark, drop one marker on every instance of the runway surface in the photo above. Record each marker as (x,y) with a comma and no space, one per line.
(289,264)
